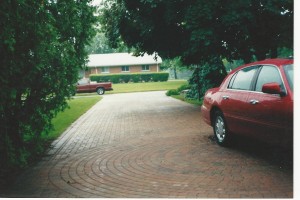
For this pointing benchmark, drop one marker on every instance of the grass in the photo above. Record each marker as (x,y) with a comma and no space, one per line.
(142,87)
(63,120)
(191,101)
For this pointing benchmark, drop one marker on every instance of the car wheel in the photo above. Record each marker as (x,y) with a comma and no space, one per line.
(220,129)
(100,91)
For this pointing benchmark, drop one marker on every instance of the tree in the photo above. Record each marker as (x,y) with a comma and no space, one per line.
(174,64)
(99,45)
(198,29)
(201,31)
(42,49)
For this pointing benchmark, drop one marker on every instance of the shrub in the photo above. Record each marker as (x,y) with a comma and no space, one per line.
(132,77)
(184,87)
(172,92)
(206,76)
(178,90)
(161,76)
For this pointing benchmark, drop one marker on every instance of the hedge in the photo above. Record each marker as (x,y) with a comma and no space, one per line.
(132,77)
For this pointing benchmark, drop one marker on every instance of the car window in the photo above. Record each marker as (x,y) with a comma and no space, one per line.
(289,71)
(83,81)
(268,74)
(243,78)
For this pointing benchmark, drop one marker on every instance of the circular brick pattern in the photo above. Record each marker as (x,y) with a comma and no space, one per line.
(181,166)
(151,145)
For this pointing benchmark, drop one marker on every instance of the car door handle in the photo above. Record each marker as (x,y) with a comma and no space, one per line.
(225,97)
(253,101)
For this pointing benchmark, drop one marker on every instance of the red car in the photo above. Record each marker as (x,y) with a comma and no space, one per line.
(254,100)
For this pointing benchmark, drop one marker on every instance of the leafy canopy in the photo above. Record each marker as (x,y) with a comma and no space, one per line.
(198,30)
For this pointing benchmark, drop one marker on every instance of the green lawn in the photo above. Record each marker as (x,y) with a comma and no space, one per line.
(63,120)
(191,101)
(142,87)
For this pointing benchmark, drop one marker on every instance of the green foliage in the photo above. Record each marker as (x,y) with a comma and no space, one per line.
(285,52)
(172,92)
(147,26)
(190,101)
(199,30)
(42,49)
(232,65)
(174,64)
(184,87)
(100,45)
(204,77)
(132,77)
(178,90)
(234,34)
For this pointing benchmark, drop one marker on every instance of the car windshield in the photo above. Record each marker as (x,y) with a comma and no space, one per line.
(289,71)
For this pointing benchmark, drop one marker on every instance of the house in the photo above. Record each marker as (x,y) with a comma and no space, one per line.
(116,63)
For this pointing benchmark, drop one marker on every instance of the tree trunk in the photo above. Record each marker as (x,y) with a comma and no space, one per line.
(175,73)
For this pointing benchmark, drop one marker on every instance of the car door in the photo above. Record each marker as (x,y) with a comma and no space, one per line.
(234,102)
(270,115)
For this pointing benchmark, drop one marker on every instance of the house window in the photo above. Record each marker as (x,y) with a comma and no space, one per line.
(104,70)
(145,68)
(125,68)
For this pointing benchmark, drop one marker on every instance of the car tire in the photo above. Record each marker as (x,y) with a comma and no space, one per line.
(220,129)
(100,91)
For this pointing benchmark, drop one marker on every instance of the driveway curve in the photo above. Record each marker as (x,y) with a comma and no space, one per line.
(149,145)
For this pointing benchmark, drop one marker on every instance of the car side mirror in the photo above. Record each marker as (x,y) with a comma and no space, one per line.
(272,88)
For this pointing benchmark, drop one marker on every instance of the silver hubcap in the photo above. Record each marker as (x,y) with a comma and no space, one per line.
(100,91)
(220,128)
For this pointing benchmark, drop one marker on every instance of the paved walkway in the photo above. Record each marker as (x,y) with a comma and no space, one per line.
(149,145)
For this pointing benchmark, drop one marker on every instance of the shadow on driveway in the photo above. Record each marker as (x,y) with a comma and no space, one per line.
(273,154)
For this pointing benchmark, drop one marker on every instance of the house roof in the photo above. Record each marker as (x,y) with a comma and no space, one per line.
(121,59)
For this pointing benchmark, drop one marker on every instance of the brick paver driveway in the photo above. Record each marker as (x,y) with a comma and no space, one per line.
(149,145)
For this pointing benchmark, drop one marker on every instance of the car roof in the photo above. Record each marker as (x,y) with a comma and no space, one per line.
(273,61)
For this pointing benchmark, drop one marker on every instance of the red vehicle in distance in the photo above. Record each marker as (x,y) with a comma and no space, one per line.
(255,100)
(85,85)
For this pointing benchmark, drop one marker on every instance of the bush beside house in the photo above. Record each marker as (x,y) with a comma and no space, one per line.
(132,77)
